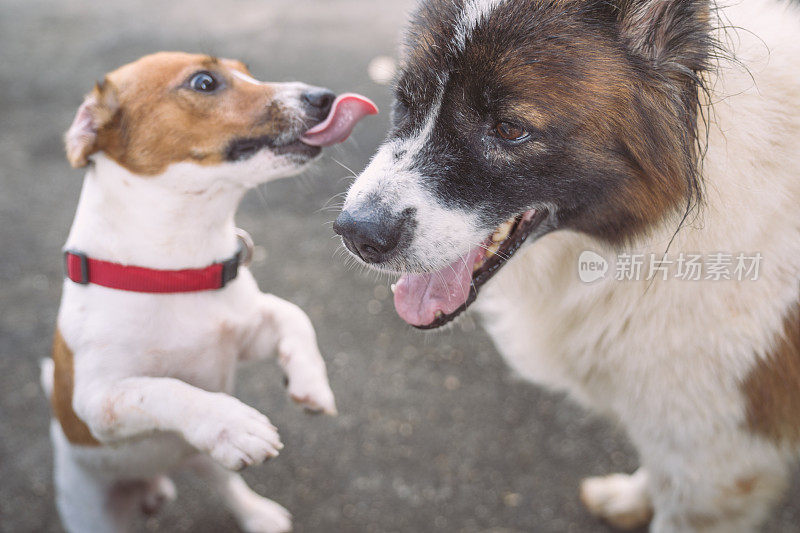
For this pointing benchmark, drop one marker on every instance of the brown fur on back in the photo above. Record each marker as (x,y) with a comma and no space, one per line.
(76,431)
(772,388)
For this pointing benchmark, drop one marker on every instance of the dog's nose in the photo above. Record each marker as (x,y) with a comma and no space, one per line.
(318,102)
(371,234)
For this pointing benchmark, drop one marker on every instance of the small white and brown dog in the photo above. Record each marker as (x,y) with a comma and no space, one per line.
(156,309)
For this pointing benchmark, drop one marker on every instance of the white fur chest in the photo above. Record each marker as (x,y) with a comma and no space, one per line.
(194,337)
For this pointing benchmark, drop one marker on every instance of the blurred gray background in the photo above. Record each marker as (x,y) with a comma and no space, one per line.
(435,434)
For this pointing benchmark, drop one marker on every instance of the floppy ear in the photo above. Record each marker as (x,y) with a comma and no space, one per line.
(96,111)
(673,34)
(670,45)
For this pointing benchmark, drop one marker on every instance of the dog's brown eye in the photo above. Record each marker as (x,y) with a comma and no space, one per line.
(510,132)
(203,82)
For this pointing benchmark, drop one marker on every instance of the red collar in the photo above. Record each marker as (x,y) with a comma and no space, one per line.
(84,270)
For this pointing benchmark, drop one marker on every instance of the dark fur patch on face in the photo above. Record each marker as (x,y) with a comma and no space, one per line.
(608,91)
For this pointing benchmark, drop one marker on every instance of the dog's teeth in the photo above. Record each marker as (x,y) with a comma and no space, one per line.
(393,287)
(492,249)
(502,232)
(478,264)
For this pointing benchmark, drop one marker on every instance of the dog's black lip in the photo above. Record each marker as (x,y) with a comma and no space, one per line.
(246,147)
(297,148)
(519,234)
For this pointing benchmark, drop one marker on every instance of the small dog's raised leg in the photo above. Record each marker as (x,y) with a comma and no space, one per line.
(253,513)
(234,434)
(286,329)
(622,500)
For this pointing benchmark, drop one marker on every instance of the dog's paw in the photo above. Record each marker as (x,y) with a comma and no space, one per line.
(620,499)
(159,492)
(313,393)
(263,515)
(234,434)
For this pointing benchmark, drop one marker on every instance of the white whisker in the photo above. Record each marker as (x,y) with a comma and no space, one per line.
(350,170)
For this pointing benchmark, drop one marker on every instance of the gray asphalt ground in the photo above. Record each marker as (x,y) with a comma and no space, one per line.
(435,434)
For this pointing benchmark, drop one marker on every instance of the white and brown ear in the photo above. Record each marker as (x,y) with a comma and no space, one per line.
(96,111)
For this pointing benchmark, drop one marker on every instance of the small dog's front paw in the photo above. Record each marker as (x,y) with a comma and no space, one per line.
(265,516)
(235,435)
(314,394)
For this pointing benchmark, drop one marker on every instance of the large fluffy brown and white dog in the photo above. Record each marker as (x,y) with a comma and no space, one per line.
(544,129)
(157,310)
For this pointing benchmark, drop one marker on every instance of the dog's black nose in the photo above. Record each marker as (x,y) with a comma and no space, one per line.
(318,102)
(371,233)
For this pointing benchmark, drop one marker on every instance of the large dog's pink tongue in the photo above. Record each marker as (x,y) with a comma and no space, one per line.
(419,298)
(345,113)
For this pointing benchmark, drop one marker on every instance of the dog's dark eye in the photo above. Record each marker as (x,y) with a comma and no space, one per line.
(510,132)
(203,82)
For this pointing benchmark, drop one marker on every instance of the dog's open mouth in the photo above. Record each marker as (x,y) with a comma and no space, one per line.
(346,111)
(433,299)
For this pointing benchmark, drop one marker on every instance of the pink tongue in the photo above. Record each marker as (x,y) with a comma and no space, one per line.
(418,297)
(347,110)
